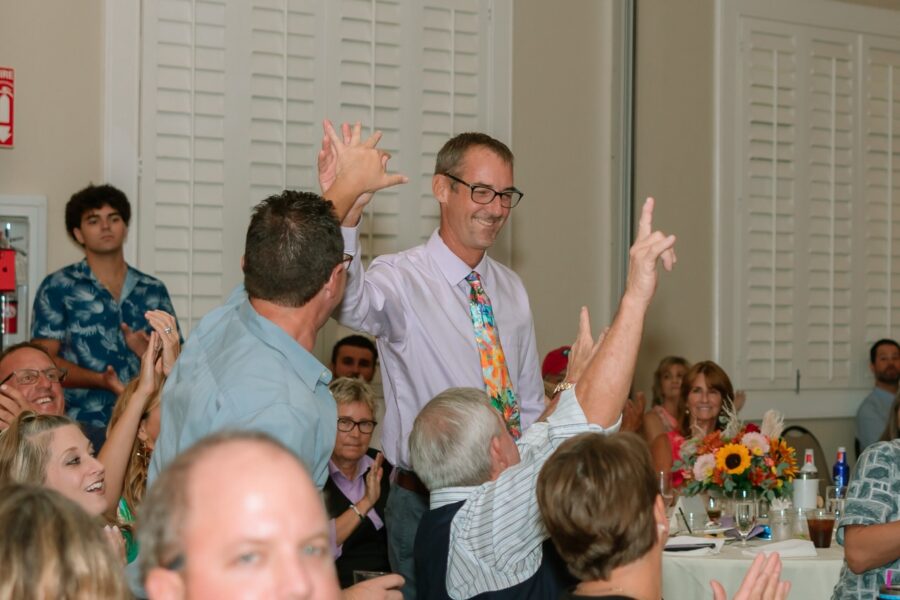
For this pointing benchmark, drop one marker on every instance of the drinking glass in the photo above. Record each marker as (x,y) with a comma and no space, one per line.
(664,482)
(835,498)
(744,506)
(821,526)
(714,509)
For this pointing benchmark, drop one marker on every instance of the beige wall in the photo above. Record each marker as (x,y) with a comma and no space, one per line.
(563,230)
(56,48)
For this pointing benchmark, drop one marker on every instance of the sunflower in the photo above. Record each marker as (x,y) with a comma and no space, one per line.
(733,458)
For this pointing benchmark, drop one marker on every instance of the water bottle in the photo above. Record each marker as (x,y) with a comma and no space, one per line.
(841,471)
(806,484)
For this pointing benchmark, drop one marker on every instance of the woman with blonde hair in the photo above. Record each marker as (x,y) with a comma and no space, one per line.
(663,416)
(51,451)
(50,548)
(134,425)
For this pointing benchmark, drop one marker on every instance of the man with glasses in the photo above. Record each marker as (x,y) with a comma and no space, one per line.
(444,314)
(30,380)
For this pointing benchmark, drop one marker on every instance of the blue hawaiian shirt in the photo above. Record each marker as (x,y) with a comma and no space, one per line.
(73,307)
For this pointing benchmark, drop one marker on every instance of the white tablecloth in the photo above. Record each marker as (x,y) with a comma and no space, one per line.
(687,577)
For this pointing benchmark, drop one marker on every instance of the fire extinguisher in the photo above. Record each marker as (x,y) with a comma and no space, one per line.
(9,309)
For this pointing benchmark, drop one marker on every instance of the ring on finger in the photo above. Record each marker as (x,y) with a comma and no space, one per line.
(167,330)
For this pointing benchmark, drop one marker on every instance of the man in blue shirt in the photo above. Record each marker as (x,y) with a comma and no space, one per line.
(90,315)
(884,362)
(249,364)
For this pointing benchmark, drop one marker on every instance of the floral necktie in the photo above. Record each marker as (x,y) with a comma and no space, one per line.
(493,362)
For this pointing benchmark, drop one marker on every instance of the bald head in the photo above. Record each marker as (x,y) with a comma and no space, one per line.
(237,515)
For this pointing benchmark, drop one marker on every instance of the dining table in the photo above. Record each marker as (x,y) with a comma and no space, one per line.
(687,577)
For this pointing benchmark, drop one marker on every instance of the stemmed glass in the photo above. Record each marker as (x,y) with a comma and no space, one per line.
(744,506)
(664,484)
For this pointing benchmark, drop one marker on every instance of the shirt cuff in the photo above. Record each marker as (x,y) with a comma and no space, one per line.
(336,549)
(351,239)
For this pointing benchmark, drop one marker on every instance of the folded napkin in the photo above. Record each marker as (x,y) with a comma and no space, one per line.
(787,549)
(688,540)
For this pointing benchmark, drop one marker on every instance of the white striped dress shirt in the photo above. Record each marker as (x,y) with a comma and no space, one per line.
(496,537)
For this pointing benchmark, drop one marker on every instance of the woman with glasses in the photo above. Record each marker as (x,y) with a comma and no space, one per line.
(356,491)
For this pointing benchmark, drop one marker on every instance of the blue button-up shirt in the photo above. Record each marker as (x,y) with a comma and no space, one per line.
(240,371)
(74,308)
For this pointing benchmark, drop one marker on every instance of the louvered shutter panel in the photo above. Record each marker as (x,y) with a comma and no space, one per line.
(183,155)
(419,72)
(881,188)
(827,209)
(453,88)
(767,258)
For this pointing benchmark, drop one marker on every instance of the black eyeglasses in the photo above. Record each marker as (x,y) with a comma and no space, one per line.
(348,258)
(482,194)
(346,425)
(31,376)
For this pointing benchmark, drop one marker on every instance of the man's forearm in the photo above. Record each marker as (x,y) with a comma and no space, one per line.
(870,546)
(603,388)
(79,377)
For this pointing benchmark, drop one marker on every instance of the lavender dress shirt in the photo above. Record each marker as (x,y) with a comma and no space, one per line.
(416,304)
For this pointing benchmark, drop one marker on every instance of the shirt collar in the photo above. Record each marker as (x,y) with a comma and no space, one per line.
(449,495)
(451,266)
(362,466)
(308,368)
(83,269)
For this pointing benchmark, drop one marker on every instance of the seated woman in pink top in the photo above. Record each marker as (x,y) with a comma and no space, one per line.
(704,390)
(663,418)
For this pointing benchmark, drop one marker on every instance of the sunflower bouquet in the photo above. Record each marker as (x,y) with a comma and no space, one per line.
(739,457)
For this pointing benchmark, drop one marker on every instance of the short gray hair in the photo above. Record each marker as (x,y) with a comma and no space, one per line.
(450,440)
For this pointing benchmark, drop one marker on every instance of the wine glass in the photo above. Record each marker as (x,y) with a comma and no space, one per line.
(664,484)
(744,506)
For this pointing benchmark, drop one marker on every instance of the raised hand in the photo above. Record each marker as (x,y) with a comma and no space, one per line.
(649,247)
(111,380)
(762,581)
(167,329)
(136,340)
(583,348)
(12,402)
(355,167)
(373,480)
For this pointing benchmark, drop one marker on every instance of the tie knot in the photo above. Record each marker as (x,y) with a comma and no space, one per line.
(474,278)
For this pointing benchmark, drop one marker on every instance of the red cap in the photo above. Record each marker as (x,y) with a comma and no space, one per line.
(556,361)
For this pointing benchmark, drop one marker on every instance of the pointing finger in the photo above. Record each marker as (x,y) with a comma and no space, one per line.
(646,223)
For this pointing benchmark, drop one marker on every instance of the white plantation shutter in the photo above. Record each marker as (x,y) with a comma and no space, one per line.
(183,137)
(233,94)
(813,164)
(830,164)
(769,93)
(881,186)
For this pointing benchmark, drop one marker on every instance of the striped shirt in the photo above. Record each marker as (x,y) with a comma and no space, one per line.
(496,537)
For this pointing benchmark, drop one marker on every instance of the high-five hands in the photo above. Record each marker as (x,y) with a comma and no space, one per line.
(349,167)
